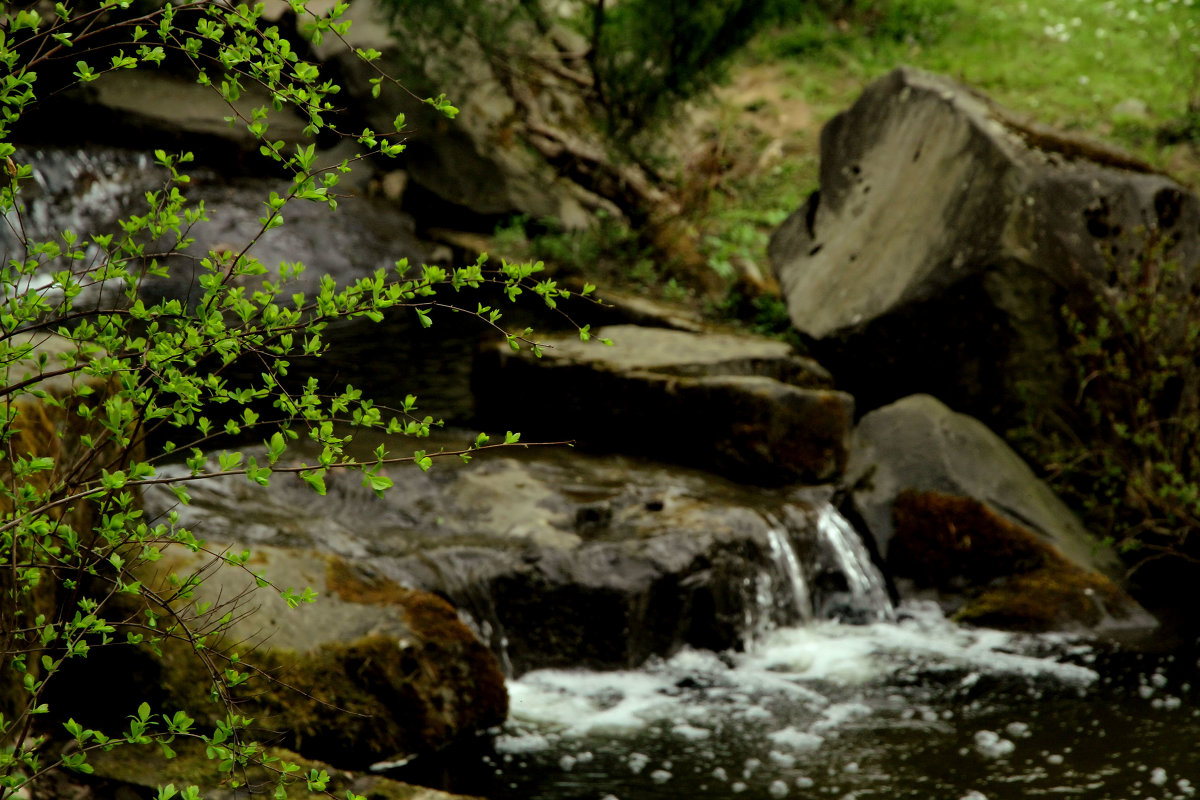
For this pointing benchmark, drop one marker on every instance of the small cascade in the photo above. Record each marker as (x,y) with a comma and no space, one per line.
(798,602)
(816,567)
(868,595)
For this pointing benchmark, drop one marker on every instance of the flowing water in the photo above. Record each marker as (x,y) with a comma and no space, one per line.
(824,690)
(915,708)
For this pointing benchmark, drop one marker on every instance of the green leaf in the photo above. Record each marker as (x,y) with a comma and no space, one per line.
(377,483)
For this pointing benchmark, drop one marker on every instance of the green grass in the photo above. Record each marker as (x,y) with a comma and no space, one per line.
(1067,63)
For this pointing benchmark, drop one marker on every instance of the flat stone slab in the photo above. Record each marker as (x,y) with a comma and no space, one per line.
(747,407)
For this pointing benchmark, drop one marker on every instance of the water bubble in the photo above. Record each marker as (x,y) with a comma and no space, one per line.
(1054,758)
(990,745)
(1017,729)
(778,789)
(690,732)
(738,787)
(1158,776)
(973,795)
(637,762)
(720,774)
(804,782)
(781,759)
(566,762)
(660,776)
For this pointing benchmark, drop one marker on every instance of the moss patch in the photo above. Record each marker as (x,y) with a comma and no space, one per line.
(1007,576)
(419,684)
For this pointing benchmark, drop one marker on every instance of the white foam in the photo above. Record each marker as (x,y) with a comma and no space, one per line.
(527,743)
(801,741)
(989,744)
(794,681)
(691,732)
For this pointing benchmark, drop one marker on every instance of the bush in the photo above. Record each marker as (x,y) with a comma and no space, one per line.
(1125,447)
(92,373)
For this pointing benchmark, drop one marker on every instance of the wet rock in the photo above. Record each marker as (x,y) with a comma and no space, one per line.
(352,242)
(746,407)
(945,236)
(405,675)
(950,506)
(147,110)
(565,559)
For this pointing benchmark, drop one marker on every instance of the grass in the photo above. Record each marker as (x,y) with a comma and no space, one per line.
(1068,63)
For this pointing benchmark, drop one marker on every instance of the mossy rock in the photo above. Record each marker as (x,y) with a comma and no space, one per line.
(370,672)
(997,573)
(145,768)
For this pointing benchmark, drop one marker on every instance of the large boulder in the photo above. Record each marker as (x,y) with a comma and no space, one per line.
(952,508)
(747,407)
(945,236)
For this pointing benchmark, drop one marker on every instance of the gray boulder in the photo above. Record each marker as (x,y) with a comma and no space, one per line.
(952,508)
(945,236)
(747,407)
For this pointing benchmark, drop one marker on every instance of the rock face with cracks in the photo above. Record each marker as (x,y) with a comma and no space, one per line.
(945,236)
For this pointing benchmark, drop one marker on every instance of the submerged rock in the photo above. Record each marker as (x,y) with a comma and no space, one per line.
(946,235)
(951,507)
(747,407)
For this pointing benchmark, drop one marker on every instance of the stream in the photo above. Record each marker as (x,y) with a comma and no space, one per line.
(669,634)
(916,708)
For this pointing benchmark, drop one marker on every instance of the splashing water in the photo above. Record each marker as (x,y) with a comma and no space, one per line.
(912,708)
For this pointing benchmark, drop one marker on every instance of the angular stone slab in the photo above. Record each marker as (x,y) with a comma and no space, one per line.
(746,407)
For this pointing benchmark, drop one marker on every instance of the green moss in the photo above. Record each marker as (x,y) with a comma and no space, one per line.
(1008,576)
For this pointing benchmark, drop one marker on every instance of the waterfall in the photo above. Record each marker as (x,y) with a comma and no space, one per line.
(783,553)
(817,566)
(869,599)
